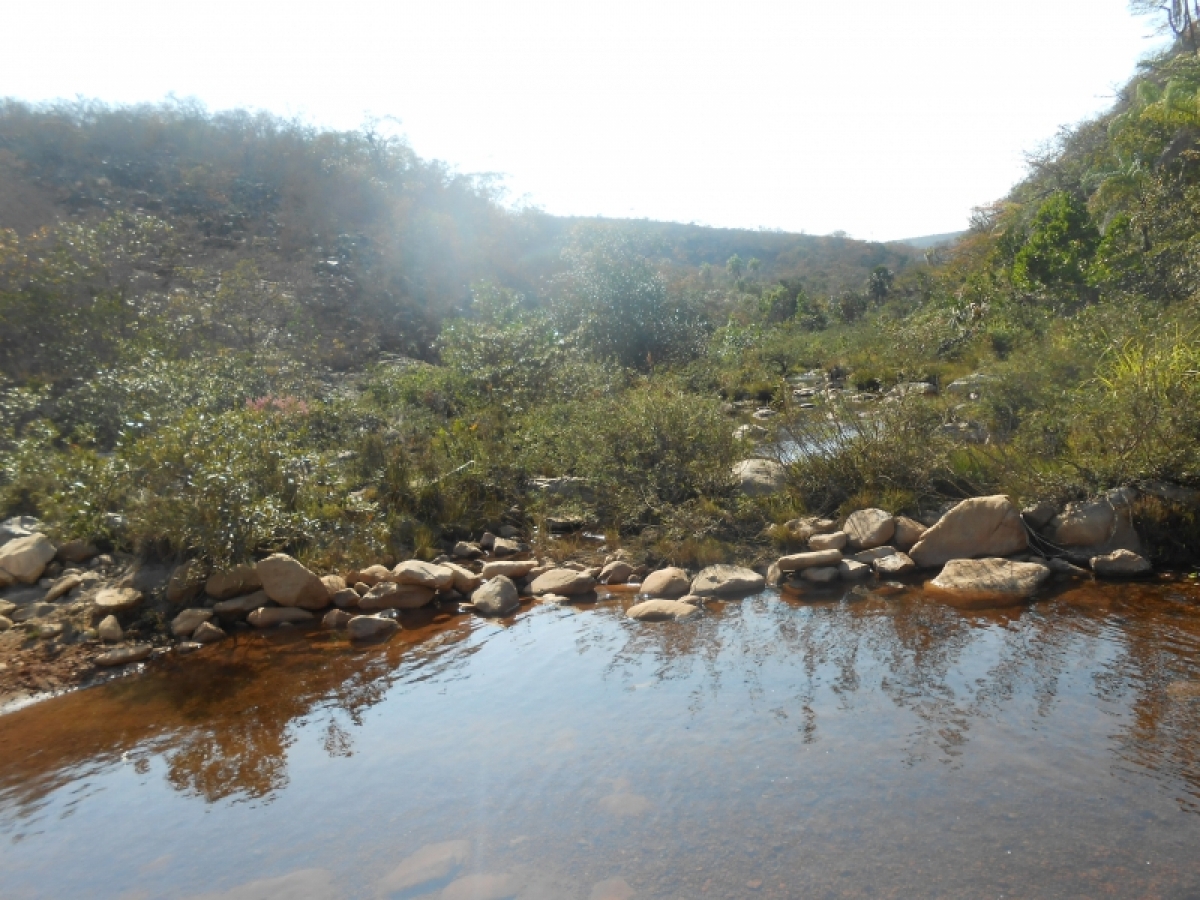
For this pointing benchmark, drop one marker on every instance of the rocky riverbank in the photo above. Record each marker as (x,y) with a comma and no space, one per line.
(70,615)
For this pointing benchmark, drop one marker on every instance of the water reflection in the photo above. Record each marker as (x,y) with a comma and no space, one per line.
(696,730)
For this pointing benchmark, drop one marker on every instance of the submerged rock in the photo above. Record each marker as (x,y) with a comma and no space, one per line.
(661,610)
(362,628)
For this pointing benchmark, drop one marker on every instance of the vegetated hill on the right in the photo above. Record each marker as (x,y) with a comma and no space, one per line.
(1076,298)
(926,241)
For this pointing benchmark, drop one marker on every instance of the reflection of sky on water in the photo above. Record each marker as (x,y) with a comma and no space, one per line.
(883,747)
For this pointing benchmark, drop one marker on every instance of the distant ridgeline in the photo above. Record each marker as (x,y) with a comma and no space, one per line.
(253,230)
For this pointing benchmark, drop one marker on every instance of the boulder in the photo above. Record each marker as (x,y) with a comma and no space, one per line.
(506,546)
(77,551)
(1038,515)
(465,580)
(120,656)
(270,616)
(868,557)
(62,587)
(186,582)
(232,582)
(431,865)
(110,630)
(616,572)
(188,621)
(370,576)
(758,477)
(333,584)
(799,561)
(1121,564)
(289,583)
(804,529)
(346,598)
(992,580)
(1096,527)
(497,597)
(895,564)
(466,550)
(661,610)
(336,619)
(513,569)
(389,595)
(822,574)
(118,599)
(423,574)
(724,579)
(235,607)
(208,633)
(5,623)
(669,582)
(25,558)
(365,628)
(978,527)
(868,528)
(908,532)
(853,570)
(563,581)
(834,541)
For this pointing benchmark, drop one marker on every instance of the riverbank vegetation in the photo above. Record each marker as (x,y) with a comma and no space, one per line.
(227,335)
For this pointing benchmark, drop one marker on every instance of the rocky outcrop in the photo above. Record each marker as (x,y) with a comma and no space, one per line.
(566,582)
(669,582)
(868,528)
(289,583)
(978,527)
(723,579)
(759,477)
(661,610)
(983,581)
(497,597)
(25,558)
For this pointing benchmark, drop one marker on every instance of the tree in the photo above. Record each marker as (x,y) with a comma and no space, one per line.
(880,283)
(1180,17)
(1062,240)
(735,266)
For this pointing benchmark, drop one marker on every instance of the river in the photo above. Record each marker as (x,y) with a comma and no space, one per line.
(838,746)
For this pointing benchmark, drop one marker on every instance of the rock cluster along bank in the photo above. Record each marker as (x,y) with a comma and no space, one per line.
(982,550)
(985,549)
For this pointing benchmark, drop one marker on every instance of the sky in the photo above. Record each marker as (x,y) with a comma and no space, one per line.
(883,119)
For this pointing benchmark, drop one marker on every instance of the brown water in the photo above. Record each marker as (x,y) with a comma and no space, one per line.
(879,747)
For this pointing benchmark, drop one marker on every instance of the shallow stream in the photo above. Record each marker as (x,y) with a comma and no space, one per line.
(886,746)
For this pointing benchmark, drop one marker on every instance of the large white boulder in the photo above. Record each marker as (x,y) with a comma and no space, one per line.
(868,528)
(978,527)
(724,579)
(25,558)
(289,583)
(669,582)
(988,581)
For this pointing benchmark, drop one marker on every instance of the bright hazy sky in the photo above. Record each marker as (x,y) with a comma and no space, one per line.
(885,119)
